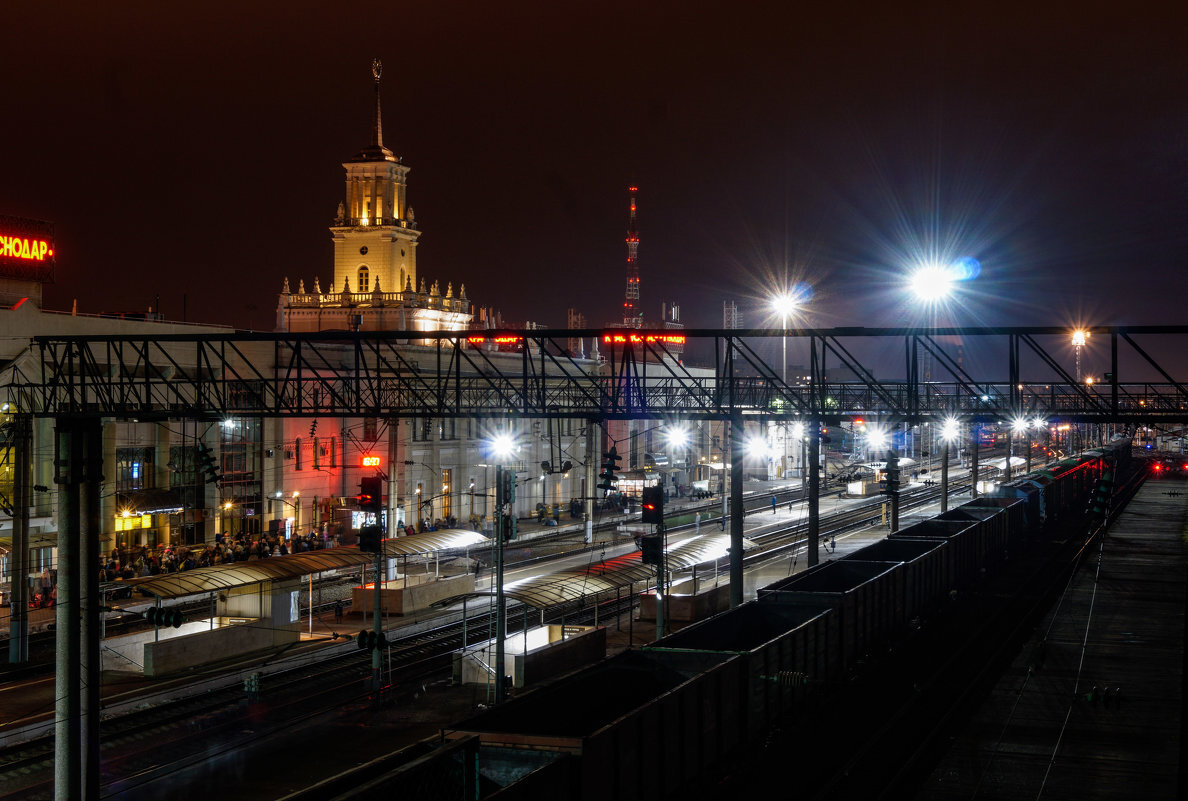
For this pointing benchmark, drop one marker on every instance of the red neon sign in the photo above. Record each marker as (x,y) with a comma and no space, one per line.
(19,247)
(371,461)
(637,339)
(499,340)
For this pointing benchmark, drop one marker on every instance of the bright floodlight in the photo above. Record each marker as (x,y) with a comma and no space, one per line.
(950,428)
(1079,337)
(1019,425)
(932,283)
(1039,422)
(757,447)
(678,437)
(876,438)
(503,445)
(784,304)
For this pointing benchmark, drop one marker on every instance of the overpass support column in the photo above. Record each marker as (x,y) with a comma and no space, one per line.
(944,499)
(736,511)
(973,461)
(813,555)
(592,456)
(91,601)
(18,627)
(68,651)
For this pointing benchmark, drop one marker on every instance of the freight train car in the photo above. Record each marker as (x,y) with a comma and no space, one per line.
(1056,493)
(649,724)
(787,653)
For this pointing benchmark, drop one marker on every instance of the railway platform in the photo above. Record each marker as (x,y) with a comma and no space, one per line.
(1093,706)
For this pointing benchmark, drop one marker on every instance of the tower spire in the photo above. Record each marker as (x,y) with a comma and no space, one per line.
(377,128)
(632,315)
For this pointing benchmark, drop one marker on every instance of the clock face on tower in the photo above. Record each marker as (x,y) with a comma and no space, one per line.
(363,250)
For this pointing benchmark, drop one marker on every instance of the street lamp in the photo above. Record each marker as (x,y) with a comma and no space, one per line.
(678,440)
(785,304)
(1020,425)
(932,284)
(1078,339)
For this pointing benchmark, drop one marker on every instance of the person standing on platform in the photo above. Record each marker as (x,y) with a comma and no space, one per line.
(773,504)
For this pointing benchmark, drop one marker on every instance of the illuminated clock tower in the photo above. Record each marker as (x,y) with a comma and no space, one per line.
(375,285)
(375,233)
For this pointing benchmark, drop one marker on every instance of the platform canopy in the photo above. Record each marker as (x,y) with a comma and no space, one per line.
(602,579)
(279,568)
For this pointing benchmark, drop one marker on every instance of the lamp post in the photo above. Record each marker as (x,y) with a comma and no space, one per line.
(1078,339)
(950,429)
(502,446)
(784,304)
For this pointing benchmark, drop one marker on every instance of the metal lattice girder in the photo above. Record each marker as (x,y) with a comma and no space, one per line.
(909,374)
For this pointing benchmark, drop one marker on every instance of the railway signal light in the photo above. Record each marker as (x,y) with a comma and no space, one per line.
(206,463)
(371,493)
(892,473)
(164,617)
(610,466)
(652,503)
(369,640)
(371,539)
(652,546)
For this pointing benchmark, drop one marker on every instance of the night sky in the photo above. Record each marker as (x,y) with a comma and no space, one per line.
(196,155)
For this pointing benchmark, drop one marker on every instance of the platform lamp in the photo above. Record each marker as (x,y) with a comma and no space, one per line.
(950,430)
(502,446)
(785,304)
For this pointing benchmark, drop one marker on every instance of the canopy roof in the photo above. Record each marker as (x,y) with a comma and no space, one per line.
(575,587)
(278,568)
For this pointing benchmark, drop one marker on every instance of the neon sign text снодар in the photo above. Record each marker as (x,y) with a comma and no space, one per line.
(19,247)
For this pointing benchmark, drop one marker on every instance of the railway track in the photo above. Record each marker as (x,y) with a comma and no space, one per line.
(180,729)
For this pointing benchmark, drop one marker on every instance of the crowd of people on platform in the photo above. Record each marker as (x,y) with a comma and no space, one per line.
(138,561)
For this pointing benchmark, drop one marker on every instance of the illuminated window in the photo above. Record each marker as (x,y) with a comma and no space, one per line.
(364,279)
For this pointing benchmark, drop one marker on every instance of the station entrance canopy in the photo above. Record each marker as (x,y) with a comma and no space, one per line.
(921,374)
(279,568)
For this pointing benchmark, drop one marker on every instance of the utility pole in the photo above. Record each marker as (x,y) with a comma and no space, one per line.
(975,432)
(505,496)
(18,630)
(893,487)
(944,501)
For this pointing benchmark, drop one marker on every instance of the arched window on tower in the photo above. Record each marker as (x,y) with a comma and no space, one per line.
(364,283)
